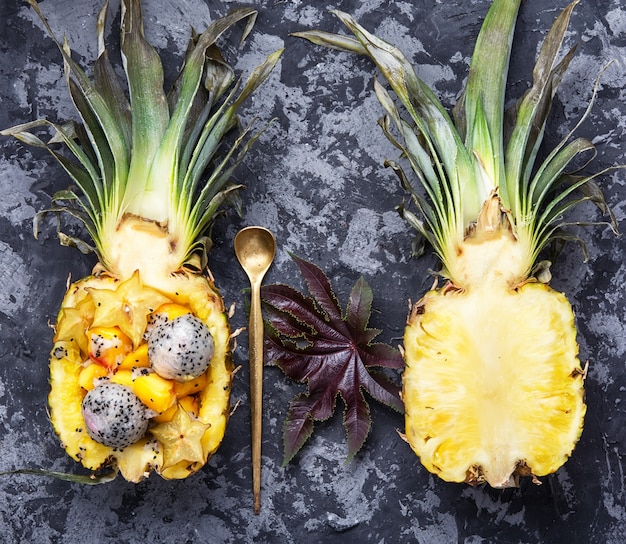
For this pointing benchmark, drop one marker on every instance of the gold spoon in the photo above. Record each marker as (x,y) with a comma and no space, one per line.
(255,248)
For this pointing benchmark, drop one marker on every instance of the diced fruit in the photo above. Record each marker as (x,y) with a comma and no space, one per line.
(90,374)
(190,405)
(108,346)
(169,311)
(190,387)
(135,359)
(140,458)
(167,415)
(123,377)
(155,392)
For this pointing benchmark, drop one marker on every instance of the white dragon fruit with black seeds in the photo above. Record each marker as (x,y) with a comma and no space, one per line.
(155,320)
(180,349)
(114,416)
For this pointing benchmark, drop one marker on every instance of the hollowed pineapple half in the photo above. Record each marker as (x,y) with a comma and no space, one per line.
(174,445)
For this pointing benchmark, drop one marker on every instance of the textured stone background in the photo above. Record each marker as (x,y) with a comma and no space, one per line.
(316,179)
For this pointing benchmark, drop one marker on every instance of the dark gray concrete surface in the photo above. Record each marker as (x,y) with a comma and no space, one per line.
(316,179)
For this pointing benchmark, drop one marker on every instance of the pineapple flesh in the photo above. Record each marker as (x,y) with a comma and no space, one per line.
(492,386)
(150,175)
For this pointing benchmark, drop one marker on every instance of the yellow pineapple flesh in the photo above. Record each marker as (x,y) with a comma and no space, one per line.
(493,387)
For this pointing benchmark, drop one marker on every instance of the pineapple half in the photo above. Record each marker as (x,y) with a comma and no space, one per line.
(146,203)
(492,386)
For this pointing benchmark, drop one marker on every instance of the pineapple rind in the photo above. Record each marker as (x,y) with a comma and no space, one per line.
(65,400)
(66,362)
(493,386)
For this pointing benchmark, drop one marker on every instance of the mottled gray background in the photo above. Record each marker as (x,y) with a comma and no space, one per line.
(316,179)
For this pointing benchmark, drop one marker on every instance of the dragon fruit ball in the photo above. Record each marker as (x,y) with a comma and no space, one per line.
(180,349)
(114,416)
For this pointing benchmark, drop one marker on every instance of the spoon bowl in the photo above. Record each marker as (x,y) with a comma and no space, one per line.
(255,248)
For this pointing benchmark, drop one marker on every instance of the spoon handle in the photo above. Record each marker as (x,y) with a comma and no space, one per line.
(255,336)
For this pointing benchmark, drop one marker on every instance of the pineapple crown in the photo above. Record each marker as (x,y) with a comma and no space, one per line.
(146,155)
(481,154)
